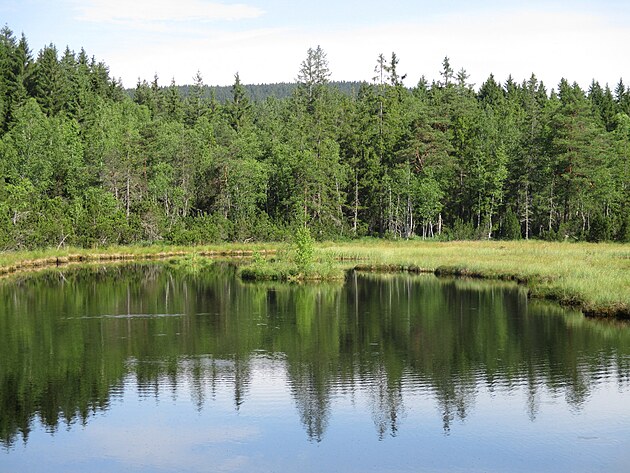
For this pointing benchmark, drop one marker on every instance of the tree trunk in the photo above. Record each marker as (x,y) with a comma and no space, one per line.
(128,192)
(489,225)
(356,204)
(551,208)
(584,226)
(411,223)
(390,223)
(397,225)
(490,219)
(527,212)
(479,210)
(338,197)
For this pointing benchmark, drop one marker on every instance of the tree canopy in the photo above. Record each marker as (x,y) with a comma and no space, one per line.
(82,162)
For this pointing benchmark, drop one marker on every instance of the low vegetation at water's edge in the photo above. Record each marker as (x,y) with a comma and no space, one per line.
(592,277)
(299,262)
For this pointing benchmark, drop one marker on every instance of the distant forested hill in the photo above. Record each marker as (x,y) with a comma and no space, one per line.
(261,92)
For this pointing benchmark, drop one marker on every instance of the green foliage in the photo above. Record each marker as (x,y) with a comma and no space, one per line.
(198,230)
(511,226)
(304,249)
(192,264)
(623,234)
(600,229)
(180,165)
(462,230)
(98,219)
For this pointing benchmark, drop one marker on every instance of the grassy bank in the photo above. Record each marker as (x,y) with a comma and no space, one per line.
(279,269)
(592,277)
(11,262)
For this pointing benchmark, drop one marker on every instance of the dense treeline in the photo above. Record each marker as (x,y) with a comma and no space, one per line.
(258,92)
(82,163)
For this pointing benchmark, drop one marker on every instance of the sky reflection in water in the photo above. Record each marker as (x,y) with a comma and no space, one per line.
(383,374)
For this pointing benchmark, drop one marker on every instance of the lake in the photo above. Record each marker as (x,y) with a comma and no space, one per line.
(161,367)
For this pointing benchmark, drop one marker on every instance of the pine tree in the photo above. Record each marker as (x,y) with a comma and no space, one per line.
(48,81)
(15,67)
(603,104)
(313,77)
(447,72)
(622,97)
(196,104)
(490,93)
(580,148)
(173,105)
(239,108)
(69,84)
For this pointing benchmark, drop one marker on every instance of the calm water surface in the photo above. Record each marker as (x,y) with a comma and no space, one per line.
(152,368)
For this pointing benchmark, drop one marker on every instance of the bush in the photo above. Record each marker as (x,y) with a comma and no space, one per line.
(623,234)
(511,229)
(202,229)
(461,230)
(600,229)
(304,249)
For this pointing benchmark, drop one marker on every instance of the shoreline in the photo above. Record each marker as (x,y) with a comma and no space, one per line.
(564,278)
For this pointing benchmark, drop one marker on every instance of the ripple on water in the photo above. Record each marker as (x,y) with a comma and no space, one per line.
(127,316)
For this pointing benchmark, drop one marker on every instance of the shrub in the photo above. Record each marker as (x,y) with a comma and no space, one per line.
(304,249)
(511,229)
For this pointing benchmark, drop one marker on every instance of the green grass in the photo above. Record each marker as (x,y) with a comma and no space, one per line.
(289,272)
(285,266)
(11,262)
(592,277)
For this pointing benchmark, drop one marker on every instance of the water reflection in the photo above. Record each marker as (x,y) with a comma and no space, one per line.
(72,342)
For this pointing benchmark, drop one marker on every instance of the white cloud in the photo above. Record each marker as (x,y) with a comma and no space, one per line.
(146,12)
(168,446)
(552,45)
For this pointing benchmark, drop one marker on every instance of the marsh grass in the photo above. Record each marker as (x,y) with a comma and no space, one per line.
(25,260)
(191,263)
(592,277)
(289,265)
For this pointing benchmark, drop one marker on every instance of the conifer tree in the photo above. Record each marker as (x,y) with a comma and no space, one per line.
(173,105)
(48,82)
(196,104)
(239,108)
(312,77)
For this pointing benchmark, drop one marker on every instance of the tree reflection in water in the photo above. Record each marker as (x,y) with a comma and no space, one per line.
(69,341)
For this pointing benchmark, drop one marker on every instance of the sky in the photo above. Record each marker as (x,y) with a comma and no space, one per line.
(265,41)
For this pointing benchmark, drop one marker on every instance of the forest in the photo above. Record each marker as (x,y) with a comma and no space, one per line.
(84,163)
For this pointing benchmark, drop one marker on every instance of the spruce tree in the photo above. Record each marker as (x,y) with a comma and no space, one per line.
(239,108)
